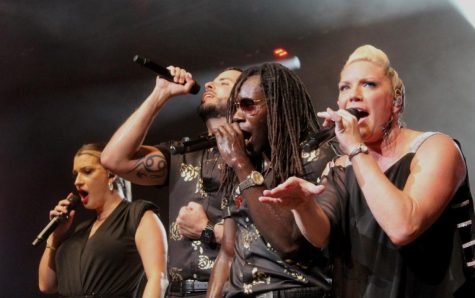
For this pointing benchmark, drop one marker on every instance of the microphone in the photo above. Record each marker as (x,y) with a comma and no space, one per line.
(162,71)
(54,223)
(315,139)
(193,145)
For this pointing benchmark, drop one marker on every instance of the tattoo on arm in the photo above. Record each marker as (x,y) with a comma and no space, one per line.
(152,166)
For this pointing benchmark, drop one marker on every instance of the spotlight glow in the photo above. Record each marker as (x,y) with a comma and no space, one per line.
(280,53)
(466,8)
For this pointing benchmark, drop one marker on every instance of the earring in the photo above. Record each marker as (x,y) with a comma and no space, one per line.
(111,186)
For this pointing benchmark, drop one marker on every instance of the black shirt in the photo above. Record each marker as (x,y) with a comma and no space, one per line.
(193,177)
(257,267)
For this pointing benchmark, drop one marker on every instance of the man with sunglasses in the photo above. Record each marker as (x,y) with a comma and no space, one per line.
(195,218)
(263,252)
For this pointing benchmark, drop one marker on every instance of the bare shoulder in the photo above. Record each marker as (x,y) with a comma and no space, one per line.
(440,152)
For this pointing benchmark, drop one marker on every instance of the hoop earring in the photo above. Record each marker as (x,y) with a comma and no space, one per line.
(111,186)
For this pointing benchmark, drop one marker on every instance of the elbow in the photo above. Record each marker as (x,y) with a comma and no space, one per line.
(46,288)
(403,235)
(109,162)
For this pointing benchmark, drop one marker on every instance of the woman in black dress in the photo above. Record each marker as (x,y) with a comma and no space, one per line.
(395,211)
(106,256)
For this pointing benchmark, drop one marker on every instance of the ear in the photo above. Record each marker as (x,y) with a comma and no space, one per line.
(398,101)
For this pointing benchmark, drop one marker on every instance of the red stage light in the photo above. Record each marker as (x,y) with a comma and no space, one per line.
(280,53)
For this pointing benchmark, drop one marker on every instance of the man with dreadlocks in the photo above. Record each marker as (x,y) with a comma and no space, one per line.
(262,252)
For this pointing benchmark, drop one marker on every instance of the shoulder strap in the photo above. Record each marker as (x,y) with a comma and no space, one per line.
(421,139)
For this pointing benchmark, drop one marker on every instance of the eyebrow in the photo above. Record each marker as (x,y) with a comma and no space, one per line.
(225,79)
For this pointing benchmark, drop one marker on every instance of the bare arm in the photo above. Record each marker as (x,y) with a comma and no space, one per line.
(125,154)
(222,265)
(437,170)
(47,281)
(152,246)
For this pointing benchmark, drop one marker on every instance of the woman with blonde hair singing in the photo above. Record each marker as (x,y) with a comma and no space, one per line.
(395,211)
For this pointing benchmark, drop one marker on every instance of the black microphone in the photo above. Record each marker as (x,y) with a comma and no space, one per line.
(192,145)
(162,71)
(54,223)
(314,140)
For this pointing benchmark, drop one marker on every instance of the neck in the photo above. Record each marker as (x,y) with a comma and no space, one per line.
(387,146)
(213,123)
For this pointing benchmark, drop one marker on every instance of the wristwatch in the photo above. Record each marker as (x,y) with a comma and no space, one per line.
(254,179)
(207,235)
(357,149)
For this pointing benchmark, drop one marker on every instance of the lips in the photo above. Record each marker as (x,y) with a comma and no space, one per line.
(206,95)
(84,196)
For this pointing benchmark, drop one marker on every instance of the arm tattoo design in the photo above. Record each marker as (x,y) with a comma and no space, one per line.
(151,166)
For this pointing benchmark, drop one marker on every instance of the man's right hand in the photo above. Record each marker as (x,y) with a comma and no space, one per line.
(182,82)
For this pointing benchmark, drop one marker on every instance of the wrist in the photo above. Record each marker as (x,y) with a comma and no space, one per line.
(357,149)
(207,234)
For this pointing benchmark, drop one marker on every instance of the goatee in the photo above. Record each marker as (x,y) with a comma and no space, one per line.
(211,111)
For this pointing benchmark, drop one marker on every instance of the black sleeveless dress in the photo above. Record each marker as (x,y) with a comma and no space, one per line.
(108,264)
(367,264)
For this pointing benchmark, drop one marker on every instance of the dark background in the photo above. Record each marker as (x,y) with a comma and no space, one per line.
(67,78)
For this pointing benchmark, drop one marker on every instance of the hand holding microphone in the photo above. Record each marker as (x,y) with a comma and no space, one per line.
(58,215)
(325,134)
(162,72)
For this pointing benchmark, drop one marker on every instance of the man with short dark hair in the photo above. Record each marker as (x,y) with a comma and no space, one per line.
(195,220)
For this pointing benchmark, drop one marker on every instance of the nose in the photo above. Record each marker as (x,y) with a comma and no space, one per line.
(355,95)
(78,181)
(238,115)
(209,86)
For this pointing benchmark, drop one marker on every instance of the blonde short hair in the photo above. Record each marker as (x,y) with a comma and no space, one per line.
(377,56)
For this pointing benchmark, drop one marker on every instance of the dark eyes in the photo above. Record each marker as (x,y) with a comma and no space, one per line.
(343,88)
(370,84)
(84,171)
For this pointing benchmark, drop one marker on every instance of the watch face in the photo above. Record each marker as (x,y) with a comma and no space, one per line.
(257,177)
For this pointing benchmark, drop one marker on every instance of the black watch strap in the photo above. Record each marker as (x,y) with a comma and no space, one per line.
(207,235)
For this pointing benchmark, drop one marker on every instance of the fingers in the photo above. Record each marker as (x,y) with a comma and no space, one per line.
(192,206)
(180,75)
(61,208)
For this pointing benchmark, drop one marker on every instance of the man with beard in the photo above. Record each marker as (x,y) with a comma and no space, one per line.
(195,220)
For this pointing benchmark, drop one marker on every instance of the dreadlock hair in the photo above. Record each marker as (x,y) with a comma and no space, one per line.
(290,118)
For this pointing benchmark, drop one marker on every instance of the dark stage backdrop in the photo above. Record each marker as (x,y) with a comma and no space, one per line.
(75,83)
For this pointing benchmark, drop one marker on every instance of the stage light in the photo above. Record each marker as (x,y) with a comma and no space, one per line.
(466,8)
(280,53)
